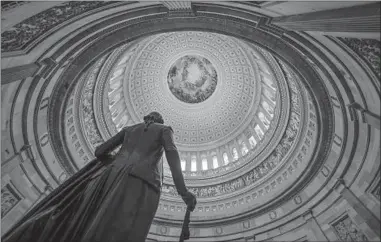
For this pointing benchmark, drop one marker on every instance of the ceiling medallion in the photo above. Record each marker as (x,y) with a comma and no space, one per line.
(192,79)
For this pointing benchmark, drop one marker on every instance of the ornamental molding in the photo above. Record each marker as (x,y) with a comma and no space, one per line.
(24,36)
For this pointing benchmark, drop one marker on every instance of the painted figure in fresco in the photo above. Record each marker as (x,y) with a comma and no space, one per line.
(192,79)
(117,202)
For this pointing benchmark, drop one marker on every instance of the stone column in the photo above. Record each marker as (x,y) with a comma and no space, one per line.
(188,162)
(209,158)
(366,216)
(238,148)
(229,153)
(267,115)
(314,227)
(267,99)
(220,158)
(260,124)
(360,21)
(199,162)
(246,141)
(254,133)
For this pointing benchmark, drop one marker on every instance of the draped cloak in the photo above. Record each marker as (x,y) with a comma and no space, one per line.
(107,200)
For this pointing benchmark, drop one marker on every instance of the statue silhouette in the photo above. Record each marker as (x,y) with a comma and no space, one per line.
(112,198)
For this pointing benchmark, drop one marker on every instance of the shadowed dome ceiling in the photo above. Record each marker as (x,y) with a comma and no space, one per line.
(242,122)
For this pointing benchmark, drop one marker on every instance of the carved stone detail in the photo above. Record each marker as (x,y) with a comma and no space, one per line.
(23,34)
(9,199)
(346,230)
(368,49)
(88,118)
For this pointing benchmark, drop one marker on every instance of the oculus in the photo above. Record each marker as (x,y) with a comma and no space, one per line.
(192,79)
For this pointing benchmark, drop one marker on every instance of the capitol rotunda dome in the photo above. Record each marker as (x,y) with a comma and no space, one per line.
(275,110)
(242,122)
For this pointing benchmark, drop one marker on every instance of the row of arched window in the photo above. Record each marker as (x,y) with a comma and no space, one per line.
(235,155)
(236,152)
(265,116)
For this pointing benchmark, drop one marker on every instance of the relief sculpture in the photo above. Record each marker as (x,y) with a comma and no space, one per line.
(9,199)
(90,126)
(368,49)
(22,34)
(346,230)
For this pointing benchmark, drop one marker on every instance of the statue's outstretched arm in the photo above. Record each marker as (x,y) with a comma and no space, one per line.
(110,144)
(173,159)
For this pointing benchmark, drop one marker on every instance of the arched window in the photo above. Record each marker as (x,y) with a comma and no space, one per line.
(252,142)
(264,68)
(226,159)
(183,163)
(215,162)
(114,86)
(204,164)
(115,113)
(268,82)
(235,154)
(259,131)
(268,108)
(114,99)
(244,149)
(193,163)
(117,73)
(269,95)
(263,119)
(125,58)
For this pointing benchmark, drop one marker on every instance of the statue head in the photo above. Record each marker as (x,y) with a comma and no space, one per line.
(154,117)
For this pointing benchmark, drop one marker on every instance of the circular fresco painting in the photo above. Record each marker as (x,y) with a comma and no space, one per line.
(192,79)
